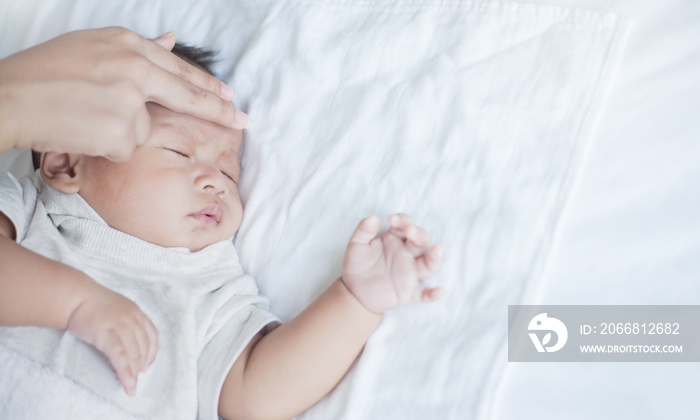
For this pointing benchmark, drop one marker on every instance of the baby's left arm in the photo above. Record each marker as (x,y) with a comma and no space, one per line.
(291,368)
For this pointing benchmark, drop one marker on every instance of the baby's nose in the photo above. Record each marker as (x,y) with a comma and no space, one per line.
(211,180)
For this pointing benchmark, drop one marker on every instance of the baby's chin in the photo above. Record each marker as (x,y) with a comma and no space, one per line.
(198,247)
(195,241)
(201,240)
(197,244)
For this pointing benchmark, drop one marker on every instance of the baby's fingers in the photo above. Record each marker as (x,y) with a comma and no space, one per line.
(140,357)
(128,380)
(152,333)
(121,361)
(430,263)
(136,359)
(400,223)
(366,230)
(424,294)
(417,239)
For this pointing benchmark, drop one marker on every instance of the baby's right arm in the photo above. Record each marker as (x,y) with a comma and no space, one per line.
(38,291)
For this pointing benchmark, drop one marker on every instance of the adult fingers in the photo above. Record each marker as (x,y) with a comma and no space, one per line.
(120,136)
(167,40)
(158,52)
(184,97)
(366,230)
(191,73)
(142,126)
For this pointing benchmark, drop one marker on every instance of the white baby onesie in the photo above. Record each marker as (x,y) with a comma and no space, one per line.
(206,309)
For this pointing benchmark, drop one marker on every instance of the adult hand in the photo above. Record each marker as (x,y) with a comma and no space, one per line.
(86,92)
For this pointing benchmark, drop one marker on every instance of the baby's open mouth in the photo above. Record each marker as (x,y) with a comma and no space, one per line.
(210,216)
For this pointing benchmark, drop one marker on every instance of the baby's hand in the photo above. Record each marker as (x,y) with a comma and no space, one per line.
(385,272)
(118,328)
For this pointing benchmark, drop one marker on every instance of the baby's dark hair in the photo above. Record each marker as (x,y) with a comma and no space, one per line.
(201,58)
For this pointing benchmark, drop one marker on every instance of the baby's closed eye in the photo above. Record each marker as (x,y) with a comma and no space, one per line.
(181,153)
(225,172)
(229,177)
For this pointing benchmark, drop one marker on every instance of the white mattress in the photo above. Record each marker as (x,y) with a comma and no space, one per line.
(629,232)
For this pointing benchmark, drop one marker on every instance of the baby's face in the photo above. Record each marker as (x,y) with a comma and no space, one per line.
(180,189)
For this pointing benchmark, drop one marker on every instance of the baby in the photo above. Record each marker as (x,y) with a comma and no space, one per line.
(129,267)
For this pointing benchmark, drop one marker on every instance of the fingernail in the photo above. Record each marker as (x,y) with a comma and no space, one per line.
(393,219)
(166,35)
(242,120)
(227,92)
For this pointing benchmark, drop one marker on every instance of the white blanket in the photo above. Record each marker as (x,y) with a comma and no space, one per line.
(31,391)
(470,116)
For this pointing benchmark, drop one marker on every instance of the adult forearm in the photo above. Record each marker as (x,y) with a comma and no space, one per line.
(35,290)
(298,363)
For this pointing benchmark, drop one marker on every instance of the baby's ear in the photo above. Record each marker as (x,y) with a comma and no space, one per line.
(61,171)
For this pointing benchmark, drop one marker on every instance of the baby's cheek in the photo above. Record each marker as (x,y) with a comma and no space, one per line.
(236,218)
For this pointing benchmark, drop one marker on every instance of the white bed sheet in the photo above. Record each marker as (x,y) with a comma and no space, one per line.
(629,233)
